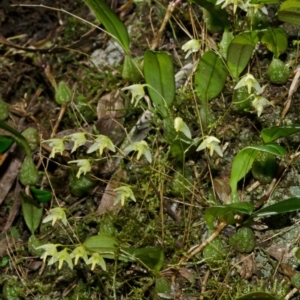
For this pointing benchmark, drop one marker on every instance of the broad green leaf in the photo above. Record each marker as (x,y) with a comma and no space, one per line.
(289,12)
(130,69)
(240,51)
(40,195)
(273,133)
(32,212)
(275,39)
(5,142)
(243,161)
(102,243)
(162,285)
(152,258)
(227,37)
(289,205)
(160,78)
(230,210)
(210,76)
(110,21)
(257,296)
(219,15)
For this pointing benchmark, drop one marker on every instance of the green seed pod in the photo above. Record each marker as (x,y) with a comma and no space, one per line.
(264,167)
(28,173)
(3,110)
(243,240)
(242,100)
(81,186)
(215,252)
(33,243)
(277,72)
(32,137)
(63,94)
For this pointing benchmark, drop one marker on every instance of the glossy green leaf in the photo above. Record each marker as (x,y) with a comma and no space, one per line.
(221,211)
(151,257)
(273,133)
(210,76)
(160,78)
(289,205)
(110,21)
(106,245)
(5,142)
(32,212)
(289,12)
(227,37)
(243,161)
(257,296)
(240,51)
(219,15)
(40,195)
(275,39)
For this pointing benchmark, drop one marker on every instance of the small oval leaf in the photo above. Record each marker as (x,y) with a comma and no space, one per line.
(273,133)
(160,78)
(210,76)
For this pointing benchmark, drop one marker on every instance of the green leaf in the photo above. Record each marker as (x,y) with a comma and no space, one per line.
(219,15)
(130,69)
(230,210)
(151,257)
(240,51)
(40,195)
(227,37)
(289,205)
(110,21)
(159,75)
(273,133)
(289,12)
(5,142)
(275,40)
(210,76)
(243,161)
(106,245)
(32,212)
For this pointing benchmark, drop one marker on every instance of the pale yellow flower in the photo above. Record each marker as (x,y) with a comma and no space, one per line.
(190,47)
(212,144)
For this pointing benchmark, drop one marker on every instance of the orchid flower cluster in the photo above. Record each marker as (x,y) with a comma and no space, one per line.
(100,143)
(209,142)
(259,101)
(65,255)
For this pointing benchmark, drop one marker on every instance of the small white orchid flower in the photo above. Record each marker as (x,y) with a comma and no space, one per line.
(190,47)
(57,146)
(101,142)
(137,91)
(249,81)
(181,126)
(57,213)
(50,250)
(236,3)
(78,138)
(256,7)
(211,143)
(123,193)
(142,148)
(96,259)
(259,103)
(84,165)
(78,252)
(62,256)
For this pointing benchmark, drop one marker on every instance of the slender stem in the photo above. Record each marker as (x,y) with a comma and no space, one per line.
(18,137)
